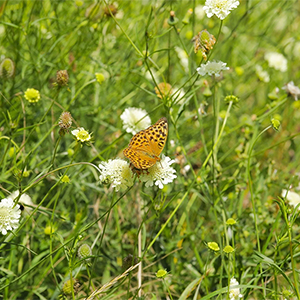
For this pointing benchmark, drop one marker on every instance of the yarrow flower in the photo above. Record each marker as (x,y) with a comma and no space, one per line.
(117,172)
(276,61)
(160,174)
(24,199)
(234,293)
(135,119)
(212,68)
(220,8)
(32,95)
(9,215)
(292,197)
(292,90)
(81,134)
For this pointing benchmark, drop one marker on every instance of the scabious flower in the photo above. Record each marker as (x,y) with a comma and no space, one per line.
(9,215)
(81,135)
(261,74)
(32,95)
(276,61)
(135,119)
(160,174)
(24,199)
(292,90)
(212,68)
(204,41)
(62,78)
(234,293)
(117,172)
(220,8)
(292,197)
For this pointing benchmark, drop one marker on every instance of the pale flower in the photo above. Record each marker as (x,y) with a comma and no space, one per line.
(81,134)
(160,174)
(261,74)
(24,199)
(117,172)
(292,197)
(220,8)
(234,293)
(135,119)
(212,68)
(9,215)
(292,90)
(199,12)
(183,58)
(276,61)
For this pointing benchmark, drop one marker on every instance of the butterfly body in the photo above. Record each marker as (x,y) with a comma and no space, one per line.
(145,146)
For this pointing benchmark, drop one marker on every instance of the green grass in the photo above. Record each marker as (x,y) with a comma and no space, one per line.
(239,164)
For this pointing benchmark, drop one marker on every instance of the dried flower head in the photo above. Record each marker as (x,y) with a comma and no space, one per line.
(204,41)
(62,78)
(65,121)
(163,89)
(69,285)
(7,68)
(110,9)
(32,95)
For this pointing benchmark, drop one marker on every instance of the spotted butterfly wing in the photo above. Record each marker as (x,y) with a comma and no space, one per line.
(145,146)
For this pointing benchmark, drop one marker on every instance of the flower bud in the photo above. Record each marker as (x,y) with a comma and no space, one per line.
(275,124)
(7,68)
(187,16)
(172,20)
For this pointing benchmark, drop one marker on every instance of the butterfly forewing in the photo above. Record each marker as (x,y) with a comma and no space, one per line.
(145,146)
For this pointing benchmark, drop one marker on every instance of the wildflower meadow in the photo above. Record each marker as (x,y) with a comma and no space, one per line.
(149,149)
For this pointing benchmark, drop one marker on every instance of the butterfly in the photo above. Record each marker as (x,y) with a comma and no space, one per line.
(145,146)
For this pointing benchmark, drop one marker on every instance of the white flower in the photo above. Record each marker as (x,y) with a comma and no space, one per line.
(199,12)
(81,134)
(160,174)
(135,119)
(234,293)
(261,74)
(9,215)
(183,57)
(212,68)
(117,172)
(24,199)
(220,8)
(292,90)
(276,61)
(292,197)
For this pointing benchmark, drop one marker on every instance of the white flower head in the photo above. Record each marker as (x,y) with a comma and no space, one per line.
(234,293)
(292,197)
(261,74)
(9,215)
(24,199)
(135,119)
(81,134)
(117,172)
(212,68)
(220,8)
(160,174)
(292,90)
(183,58)
(276,61)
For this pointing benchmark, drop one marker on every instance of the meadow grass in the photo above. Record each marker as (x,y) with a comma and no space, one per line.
(227,227)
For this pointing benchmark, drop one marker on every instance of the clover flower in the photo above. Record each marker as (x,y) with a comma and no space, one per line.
(135,119)
(234,293)
(81,135)
(276,61)
(292,197)
(292,90)
(220,8)
(117,172)
(9,215)
(212,68)
(32,95)
(160,174)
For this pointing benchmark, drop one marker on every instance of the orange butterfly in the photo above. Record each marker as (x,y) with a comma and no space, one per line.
(145,146)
